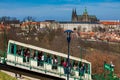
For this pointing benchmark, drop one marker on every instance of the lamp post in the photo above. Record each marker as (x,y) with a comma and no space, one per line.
(5,38)
(80,52)
(68,40)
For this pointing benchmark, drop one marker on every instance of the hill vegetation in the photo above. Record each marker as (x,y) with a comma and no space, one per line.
(95,52)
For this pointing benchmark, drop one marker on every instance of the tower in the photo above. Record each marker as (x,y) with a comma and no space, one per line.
(85,16)
(74,15)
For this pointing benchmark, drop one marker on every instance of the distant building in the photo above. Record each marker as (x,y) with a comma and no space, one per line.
(1,27)
(38,25)
(4,27)
(111,25)
(80,26)
(85,17)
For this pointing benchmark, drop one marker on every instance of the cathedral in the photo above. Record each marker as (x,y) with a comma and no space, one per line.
(84,17)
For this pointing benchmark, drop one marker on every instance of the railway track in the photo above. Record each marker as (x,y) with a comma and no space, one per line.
(27,72)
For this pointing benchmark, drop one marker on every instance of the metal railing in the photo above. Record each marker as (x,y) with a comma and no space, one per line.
(43,66)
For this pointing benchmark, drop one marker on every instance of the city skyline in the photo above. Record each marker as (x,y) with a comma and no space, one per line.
(59,10)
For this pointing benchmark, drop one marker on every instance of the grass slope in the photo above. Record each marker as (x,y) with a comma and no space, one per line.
(4,76)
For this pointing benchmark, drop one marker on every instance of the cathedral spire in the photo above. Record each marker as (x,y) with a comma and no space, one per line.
(85,11)
(74,15)
(75,11)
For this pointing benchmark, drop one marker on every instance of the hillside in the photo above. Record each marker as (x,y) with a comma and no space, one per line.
(95,52)
(4,76)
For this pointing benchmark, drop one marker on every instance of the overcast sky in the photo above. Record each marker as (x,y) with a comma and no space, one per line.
(60,10)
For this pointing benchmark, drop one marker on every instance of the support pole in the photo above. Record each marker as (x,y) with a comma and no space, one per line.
(68,60)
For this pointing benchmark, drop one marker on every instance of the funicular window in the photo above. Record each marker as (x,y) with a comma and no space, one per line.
(12,48)
(75,65)
(19,50)
(33,54)
(26,54)
(54,62)
(72,66)
(82,69)
(87,68)
(80,64)
(64,65)
(48,58)
(40,58)
(61,61)
(79,68)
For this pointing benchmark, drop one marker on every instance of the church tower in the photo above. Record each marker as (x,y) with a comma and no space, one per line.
(74,15)
(85,16)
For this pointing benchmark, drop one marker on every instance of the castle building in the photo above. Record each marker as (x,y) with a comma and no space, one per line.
(85,17)
(83,23)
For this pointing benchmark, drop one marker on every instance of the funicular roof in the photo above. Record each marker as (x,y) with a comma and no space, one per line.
(47,51)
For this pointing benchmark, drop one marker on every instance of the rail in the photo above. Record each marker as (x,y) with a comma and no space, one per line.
(25,72)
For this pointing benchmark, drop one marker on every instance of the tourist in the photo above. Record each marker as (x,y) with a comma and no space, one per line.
(82,70)
(54,62)
(65,67)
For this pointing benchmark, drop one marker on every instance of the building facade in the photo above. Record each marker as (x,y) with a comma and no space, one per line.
(112,25)
(79,26)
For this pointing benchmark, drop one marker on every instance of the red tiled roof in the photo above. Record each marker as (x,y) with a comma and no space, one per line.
(110,23)
(87,33)
(1,26)
(28,23)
